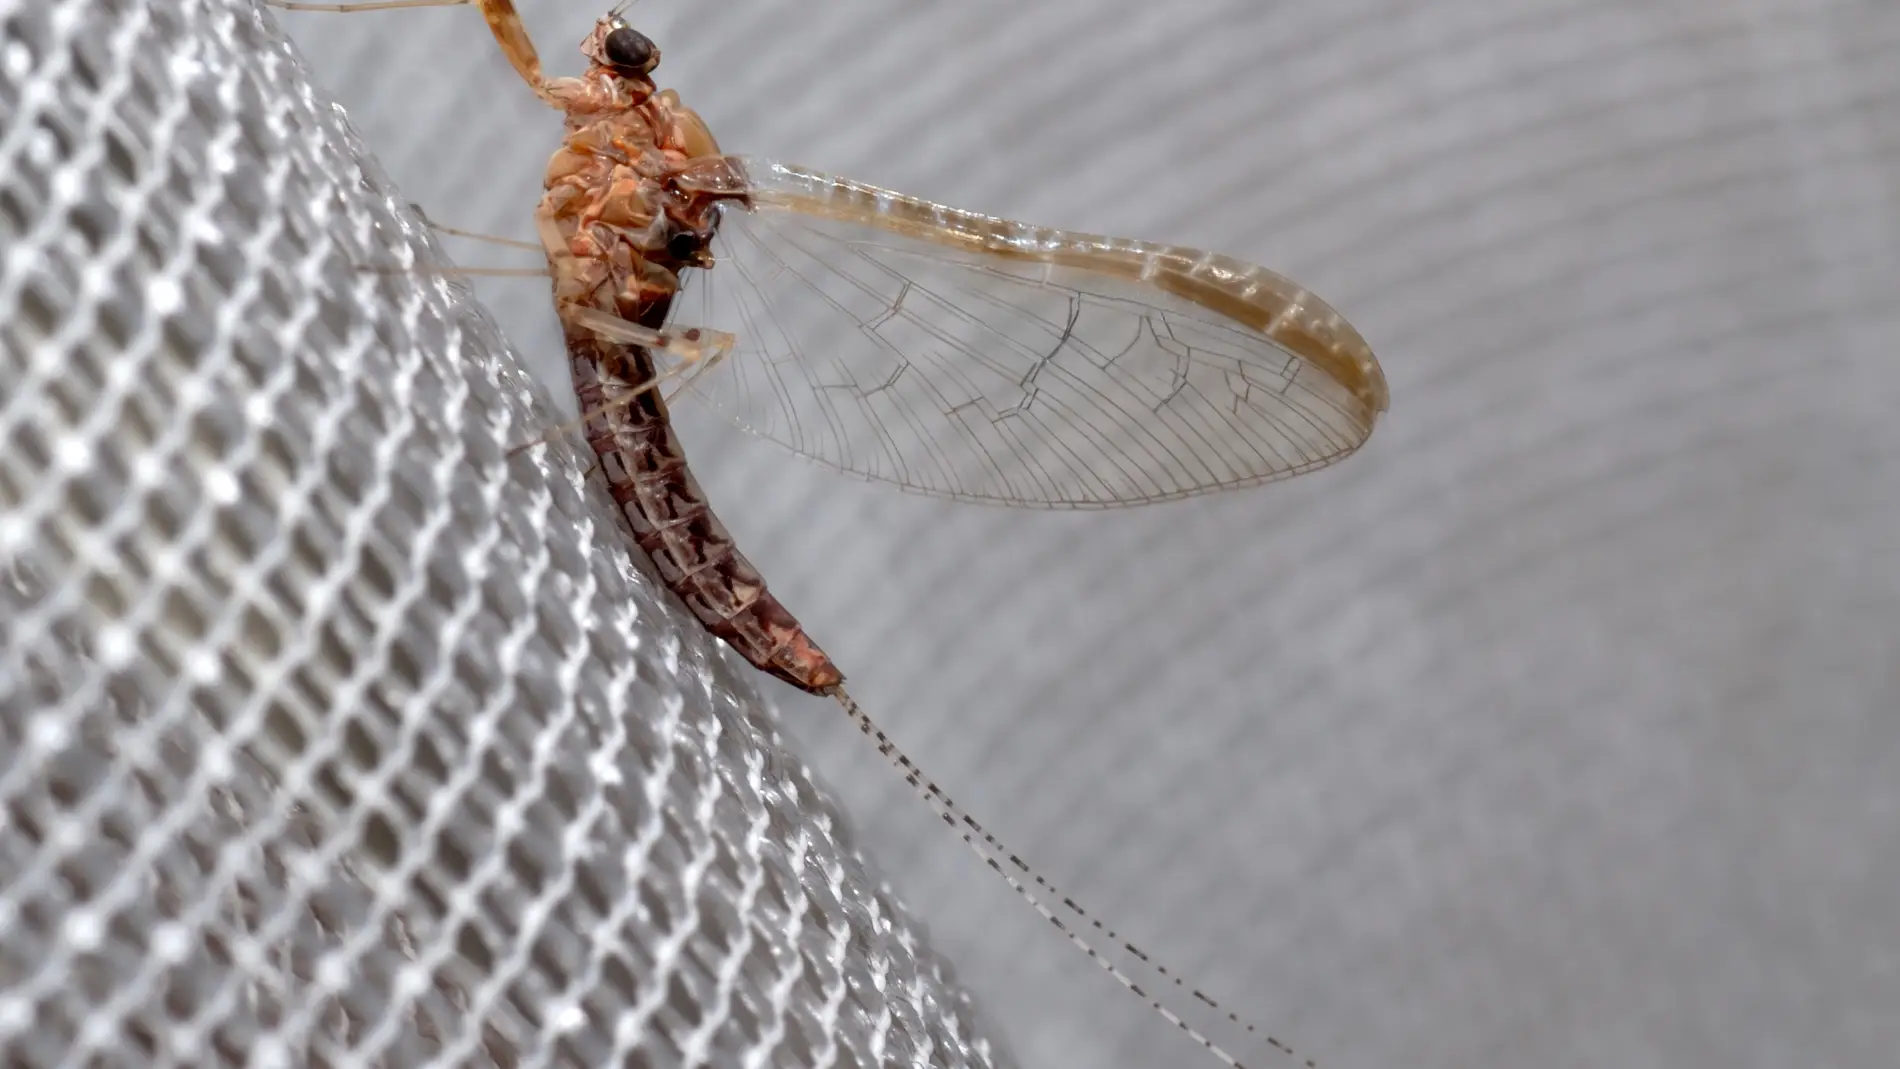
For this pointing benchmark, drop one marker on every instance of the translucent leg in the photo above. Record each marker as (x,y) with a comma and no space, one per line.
(502,20)
(471,234)
(364,5)
(696,357)
(466,272)
(698,369)
(470,272)
(692,344)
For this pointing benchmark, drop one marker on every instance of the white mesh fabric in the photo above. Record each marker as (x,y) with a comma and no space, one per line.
(329,732)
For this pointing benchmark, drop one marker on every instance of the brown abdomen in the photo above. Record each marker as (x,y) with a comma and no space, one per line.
(647,474)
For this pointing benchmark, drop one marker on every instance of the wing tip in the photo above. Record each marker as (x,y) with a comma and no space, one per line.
(1373,389)
(1339,351)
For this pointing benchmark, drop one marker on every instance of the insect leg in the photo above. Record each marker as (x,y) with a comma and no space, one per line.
(699,369)
(465,272)
(696,356)
(502,20)
(692,344)
(471,234)
(699,362)
(363,5)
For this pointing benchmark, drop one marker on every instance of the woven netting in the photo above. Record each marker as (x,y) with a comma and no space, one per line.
(1554,729)
(331,732)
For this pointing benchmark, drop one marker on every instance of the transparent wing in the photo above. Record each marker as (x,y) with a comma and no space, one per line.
(975,358)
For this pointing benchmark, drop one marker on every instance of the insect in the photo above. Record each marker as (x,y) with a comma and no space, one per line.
(950,353)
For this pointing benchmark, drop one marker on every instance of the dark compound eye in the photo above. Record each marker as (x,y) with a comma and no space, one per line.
(629,49)
(683,244)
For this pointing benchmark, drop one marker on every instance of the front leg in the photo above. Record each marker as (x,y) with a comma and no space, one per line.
(502,20)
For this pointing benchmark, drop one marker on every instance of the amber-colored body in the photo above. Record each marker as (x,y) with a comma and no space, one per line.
(629,202)
(1172,372)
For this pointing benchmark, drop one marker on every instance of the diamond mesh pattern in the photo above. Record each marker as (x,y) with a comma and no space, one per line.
(330,733)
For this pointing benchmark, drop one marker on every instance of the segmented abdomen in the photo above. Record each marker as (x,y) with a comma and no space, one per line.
(646,472)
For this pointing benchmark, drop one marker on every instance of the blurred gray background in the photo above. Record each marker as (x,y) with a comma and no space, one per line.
(1561,726)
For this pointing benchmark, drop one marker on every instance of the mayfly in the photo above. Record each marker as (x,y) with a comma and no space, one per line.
(950,353)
